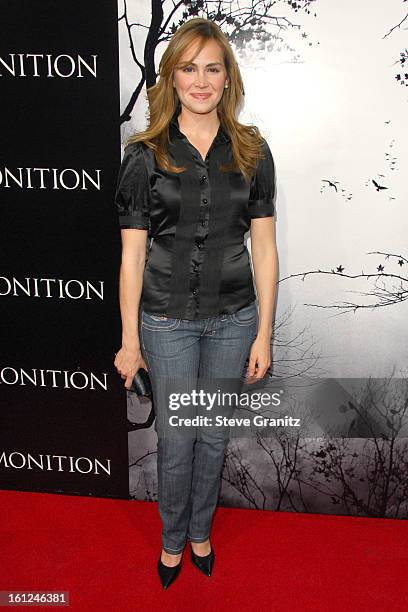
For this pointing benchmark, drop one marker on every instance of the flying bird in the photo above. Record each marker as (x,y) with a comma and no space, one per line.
(377,186)
(331,183)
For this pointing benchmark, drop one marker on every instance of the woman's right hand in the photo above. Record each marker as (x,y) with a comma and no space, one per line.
(128,362)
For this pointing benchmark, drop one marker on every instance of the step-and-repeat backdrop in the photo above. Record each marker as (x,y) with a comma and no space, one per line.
(326,84)
(63,407)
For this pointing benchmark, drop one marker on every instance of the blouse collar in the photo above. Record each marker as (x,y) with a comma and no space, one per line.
(174,131)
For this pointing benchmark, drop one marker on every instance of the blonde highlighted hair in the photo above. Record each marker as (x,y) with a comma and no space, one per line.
(246,141)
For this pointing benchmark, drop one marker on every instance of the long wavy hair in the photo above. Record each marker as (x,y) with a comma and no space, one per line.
(246,140)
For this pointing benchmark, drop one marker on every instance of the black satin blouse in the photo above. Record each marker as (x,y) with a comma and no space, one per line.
(197,264)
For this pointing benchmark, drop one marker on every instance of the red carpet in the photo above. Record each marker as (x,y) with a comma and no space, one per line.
(104,552)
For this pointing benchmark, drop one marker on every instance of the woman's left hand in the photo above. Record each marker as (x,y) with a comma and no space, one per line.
(259,359)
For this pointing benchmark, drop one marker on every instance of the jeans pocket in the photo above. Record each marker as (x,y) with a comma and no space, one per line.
(245,316)
(159,322)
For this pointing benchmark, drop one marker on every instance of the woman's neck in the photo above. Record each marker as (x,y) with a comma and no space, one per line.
(198,125)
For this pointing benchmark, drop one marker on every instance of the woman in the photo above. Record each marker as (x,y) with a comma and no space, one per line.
(195,181)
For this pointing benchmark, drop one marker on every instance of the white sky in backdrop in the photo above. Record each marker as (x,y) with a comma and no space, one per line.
(324,118)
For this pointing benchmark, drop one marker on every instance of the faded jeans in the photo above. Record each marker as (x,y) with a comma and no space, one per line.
(189,467)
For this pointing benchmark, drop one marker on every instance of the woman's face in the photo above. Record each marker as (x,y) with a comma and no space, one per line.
(200,85)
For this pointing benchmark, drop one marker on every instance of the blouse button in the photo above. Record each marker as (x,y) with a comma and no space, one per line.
(203,223)
(203,178)
(195,291)
(205,200)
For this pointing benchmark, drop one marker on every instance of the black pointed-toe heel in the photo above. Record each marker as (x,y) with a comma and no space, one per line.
(204,564)
(167,574)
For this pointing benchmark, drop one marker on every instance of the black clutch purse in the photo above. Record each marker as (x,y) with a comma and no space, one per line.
(141,384)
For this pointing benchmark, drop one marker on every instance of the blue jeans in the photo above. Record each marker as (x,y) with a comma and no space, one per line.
(189,467)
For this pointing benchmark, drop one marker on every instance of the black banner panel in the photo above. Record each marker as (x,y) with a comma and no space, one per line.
(63,405)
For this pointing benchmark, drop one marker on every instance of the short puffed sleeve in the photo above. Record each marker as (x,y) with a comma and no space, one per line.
(262,195)
(132,189)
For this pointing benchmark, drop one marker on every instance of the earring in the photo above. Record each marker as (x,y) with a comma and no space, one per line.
(226,86)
